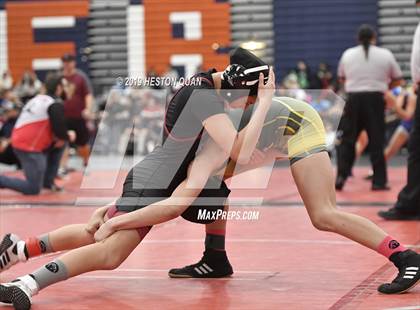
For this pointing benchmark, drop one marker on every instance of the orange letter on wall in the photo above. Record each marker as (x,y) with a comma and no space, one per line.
(21,46)
(167,36)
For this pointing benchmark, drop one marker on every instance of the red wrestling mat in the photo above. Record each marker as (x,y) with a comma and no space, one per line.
(280,189)
(280,262)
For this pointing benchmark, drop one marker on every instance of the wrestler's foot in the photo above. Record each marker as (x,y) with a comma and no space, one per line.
(339,182)
(17,294)
(408,264)
(213,264)
(11,251)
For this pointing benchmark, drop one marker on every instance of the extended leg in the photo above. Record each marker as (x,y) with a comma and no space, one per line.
(105,255)
(314,178)
(13,250)
(398,139)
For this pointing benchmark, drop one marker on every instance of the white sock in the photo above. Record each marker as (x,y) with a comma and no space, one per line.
(30,284)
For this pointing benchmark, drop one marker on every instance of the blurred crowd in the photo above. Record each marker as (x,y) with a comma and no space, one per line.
(131,121)
(128,120)
(13,97)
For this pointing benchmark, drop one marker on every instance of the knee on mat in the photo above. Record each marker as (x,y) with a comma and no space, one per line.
(31,190)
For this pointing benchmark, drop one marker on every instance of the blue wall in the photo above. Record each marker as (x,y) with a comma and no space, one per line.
(317,30)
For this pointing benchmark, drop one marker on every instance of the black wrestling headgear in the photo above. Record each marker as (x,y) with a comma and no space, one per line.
(242,73)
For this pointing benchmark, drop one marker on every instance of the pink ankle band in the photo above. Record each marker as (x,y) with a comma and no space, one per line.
(390,246)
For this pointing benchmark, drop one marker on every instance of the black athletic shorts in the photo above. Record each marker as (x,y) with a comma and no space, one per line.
(78,125)
(152,180)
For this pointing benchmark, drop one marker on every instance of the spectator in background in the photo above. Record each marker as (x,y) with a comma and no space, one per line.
(116,119)
(367,71)
(302,74)
(290,88)
(407,206)
(151,121)
(404,104)
(8,96)
(28,87)
(38,139)
(6,81)
(3,96)
(323,78)
(78,108)
(10,113)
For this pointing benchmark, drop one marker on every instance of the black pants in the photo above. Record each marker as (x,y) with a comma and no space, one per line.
(364,110)
(79,126)
(8,157)
(409,197)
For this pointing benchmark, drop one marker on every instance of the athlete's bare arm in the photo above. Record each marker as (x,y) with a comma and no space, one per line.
(242,145)
(204,165)
(408,112)
(397,104)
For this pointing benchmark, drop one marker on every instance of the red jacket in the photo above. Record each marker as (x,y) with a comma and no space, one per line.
(33,130)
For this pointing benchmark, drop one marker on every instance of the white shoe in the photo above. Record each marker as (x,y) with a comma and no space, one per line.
(11,251)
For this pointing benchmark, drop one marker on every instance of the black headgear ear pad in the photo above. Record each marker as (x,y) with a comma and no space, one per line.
(243,73)
(234,77)
(253,64)
(237,77)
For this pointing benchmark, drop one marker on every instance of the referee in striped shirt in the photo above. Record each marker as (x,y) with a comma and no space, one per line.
(367,71)
(408,203)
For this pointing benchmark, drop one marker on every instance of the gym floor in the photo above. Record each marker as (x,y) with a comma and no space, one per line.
(280,260)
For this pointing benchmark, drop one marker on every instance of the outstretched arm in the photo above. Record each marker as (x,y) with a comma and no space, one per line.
(211,158)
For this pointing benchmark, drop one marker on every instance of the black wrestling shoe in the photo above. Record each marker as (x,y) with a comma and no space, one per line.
(369,177)
(395,214)
(384,187)
(54,188)
(408,264)
(339,182)
(213,264)
(17,294)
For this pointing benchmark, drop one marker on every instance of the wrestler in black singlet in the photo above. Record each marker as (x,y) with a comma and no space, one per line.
(160,172)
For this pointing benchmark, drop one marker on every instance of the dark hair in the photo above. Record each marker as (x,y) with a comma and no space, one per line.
(365,35)
(51,83)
